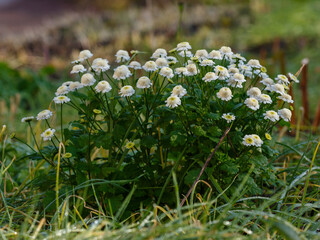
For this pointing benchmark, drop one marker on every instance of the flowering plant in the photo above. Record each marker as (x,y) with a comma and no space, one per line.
(141,122)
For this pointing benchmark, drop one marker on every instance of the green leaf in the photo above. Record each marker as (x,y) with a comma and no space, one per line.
(148,141)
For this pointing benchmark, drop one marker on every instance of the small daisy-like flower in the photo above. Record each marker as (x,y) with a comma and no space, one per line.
(293,77)
(144,82)
(45,114)
(254,92)
(282,79)
(48,134)
(238,56)
(226,51)
(186,54)
(238,77)
(180,71)
(61,99)
(129,145)
(245,68)
(150,66)
(267,82)
(173,101)
(222,72)
(166,72)
(100,65)
(103,87)
(285,114)
(171,60)
(62,90)
(248,140)
(268,136)
(257,140)
(161,62)
(178,91)
(27,119)
(278,88)
(201,54)
(121,72)
(127,91)
(210,76)
(286,98)
(83,55)
(159,53)
(247,231)
(254,63)
(229,117)
(224,94)
(265,98)
(215,55)
(122,56)
(233,70)
(271,115)
(134,65)
(79,68)
(67,83)
(75,86)
(207,62)
(87,79)
(183,46)
(233,83)
(191,70)
(252,103)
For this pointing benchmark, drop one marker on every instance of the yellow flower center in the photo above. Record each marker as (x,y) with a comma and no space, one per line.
(249,140)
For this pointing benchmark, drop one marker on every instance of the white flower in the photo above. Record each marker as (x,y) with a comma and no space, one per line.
(222,72)
(265,98)
(62,90)
(215,55)
(271,115)
(79,68)
(248,140)
(293,77)
(87,79)
(173,101)
(172,60)
(185,54)
(226,51)
(27,119)
(67,83)
(135,65)
(121,72)
(150,66)
(238,77)
(144,82)
(210,76)
(103,87)
(233,70)
(254,63)
(257,140)
(267,82)
(122,56)
(61,99)
(180,71)
(162,62)
(229,117)
(278,88)
(282,79)
(45,114)
(245,68)
(286,98)
(48,134)
(166,72)
(254,92)
(252,103)
(233,83)
(159,53)
(127,91)
(100,65)
(224,94)
(285,114)
(183,46)
(238,56)
(207,62)
(201,54)
(75,86)
(83,55)
(191,70)
(178,91)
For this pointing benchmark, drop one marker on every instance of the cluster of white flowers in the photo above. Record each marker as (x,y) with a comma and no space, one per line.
(252,140)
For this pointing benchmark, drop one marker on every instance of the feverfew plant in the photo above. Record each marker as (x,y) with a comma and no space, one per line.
(138,122)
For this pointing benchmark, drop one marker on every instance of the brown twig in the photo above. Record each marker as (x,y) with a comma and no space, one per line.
(204,166)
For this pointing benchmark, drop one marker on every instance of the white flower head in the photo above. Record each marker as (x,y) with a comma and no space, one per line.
(210,76)
(285,114)
(238,77)
(27,119)
(286,98)
(215,55)
(233,70)
(293,77)
(83,55)
(67,83)
(103,87)
(171,60)
(61,99)
(183,46)
(87,79)
(122,56)
(45,114)
(278,88)
(191,70)
(222,72)
(159,53)
(206,62)
(271,115)
(229,117)
(127,91)
(178,91)
(134,65)
(257,140)
(201,54)
(282,79)
(121,72)
(267,82)
(245,68)
(265,98)
(48,134)
(254,92)
(226,51)
(144,82)
(252,103)
(224,94)
(166,72)
(239,57)
(173,101)
(186,54)
(62,90)
(254,63)
(162,62)
(150,66)
(248,140)
(180,71)
(75,86)
(100,65)
(79,68)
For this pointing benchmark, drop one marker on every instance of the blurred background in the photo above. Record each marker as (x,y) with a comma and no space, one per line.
(39,39)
